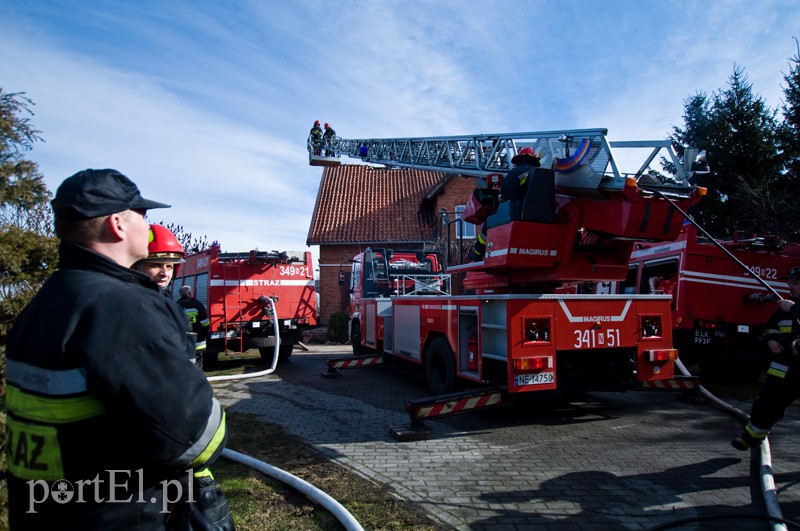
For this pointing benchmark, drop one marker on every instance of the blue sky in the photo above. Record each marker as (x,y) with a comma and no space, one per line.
(206,104)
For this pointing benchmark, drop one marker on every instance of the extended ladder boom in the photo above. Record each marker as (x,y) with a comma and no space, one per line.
(584,159)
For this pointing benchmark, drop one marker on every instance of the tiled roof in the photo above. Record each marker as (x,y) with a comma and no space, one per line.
(363,204)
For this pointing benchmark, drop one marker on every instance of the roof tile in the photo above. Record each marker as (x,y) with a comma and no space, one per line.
(364,204)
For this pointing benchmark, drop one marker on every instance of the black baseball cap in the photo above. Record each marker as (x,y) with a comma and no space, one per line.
(793,273)
(94,193)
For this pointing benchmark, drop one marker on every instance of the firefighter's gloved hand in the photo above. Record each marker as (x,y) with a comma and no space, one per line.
(210,511)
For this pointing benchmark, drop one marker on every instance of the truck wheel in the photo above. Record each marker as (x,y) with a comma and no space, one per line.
(267,353)
(284,351)
(355,339)
(440,367)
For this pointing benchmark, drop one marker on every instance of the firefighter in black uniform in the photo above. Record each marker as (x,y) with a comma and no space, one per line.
(329,135)
(315,137)
(782,385)
(513,187)
(198,318)
(100,432)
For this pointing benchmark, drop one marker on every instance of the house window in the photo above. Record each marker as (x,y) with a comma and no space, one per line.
(468,228)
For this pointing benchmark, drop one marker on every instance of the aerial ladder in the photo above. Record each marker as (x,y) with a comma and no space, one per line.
(582,214)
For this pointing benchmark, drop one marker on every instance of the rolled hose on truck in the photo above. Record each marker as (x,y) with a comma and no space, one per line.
(334,507)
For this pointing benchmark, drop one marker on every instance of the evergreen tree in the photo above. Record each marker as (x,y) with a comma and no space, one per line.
(28,249)
(695,134)
(790,145)
(188,241)
(746,158)
(740,133)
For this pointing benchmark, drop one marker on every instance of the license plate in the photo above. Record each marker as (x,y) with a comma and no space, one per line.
(534,379)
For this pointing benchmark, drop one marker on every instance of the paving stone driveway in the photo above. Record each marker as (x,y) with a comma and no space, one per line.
(609,461)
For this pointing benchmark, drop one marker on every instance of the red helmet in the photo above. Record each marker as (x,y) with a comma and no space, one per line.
(164,245)
(327,125)
(316,122)
(526,154)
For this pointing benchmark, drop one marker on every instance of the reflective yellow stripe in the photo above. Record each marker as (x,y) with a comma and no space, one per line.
(205,323)
(755,432)
(205,473)
(212,446)
(200,345)
(52,410)
(778,371)
(481,239)
(33,451)
(191,313)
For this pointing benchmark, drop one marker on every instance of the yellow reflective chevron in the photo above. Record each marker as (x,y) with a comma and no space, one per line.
(52,410)
(204,473)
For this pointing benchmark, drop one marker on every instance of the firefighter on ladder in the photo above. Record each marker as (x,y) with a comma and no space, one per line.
(315,137)
(329,137)
(782,385)
(513,187)
(198,318)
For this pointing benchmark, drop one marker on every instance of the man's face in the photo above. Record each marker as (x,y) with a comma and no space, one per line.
(794,287)
(160,272)
(139,230)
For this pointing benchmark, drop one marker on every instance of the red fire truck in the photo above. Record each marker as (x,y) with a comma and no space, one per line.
(236,289)
(718,309)
(518,330)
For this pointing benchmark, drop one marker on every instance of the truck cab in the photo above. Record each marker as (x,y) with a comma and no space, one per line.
(380,273)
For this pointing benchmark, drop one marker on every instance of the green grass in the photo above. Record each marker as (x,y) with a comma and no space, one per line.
(260,502)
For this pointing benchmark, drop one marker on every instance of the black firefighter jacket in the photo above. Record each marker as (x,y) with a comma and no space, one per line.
(107,415)
(783,327)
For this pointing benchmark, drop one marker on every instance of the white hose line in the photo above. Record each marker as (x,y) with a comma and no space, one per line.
(265,372)
(312,492)
(309,490)
(765,457)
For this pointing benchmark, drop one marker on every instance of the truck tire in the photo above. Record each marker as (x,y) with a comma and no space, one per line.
(355,339)
(285,351)
(266,349)
(440,367)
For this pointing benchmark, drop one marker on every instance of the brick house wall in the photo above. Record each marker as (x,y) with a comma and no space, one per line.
(359,208)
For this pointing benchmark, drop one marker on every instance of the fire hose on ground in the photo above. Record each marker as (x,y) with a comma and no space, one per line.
(310,491)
